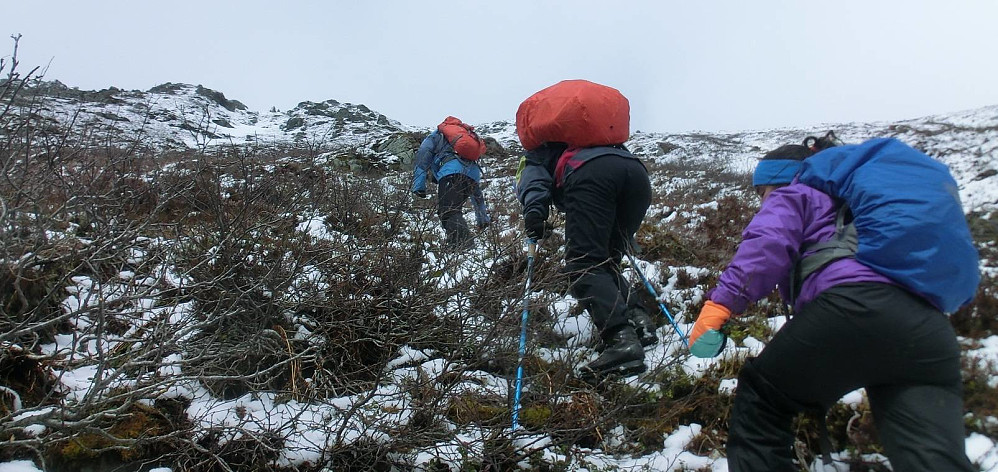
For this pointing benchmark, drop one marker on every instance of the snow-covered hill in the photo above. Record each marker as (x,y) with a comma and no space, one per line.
(965,141)
(188,116)
(181,115)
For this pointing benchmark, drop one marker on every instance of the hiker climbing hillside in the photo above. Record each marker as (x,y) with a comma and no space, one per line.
(449,155)
(574,132)
(869,246)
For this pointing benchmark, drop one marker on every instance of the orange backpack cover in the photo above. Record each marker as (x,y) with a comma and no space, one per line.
(462,138)
(579,113)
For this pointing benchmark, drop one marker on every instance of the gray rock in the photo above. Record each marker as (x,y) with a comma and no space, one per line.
(402,145)
(219,98)
(294,123)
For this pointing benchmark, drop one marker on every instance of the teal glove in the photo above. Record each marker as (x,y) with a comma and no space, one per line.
(709,344)
(706,337)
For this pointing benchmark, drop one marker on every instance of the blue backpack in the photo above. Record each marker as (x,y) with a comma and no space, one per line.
(907,219)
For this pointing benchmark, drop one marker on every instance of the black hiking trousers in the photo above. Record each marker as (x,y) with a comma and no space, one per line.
(604,202)
(453,191)
(877,336)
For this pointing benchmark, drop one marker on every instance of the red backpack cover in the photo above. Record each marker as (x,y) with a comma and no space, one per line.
(579,113)
(462,138)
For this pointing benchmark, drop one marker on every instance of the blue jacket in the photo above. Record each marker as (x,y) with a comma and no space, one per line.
(436,155)
(436,150)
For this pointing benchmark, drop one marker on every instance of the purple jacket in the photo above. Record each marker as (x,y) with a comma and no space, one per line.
(789,219)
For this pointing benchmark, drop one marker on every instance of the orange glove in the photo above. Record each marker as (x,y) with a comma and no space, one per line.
(712,317)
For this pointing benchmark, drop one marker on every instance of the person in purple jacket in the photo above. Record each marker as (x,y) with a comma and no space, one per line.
(852,328)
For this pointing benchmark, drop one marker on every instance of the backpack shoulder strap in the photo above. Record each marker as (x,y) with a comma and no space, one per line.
(440,154)
(843,244)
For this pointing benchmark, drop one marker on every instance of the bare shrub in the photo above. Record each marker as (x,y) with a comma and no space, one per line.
(979,318)
(708,240)
(679,181)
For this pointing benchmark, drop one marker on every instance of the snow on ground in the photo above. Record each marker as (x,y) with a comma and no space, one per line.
(19,466)
(985,355)
(310,427)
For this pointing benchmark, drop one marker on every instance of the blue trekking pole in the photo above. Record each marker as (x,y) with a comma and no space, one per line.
(651,290)
(531,249)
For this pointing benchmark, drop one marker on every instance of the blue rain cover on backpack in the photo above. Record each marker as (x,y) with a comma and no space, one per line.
(909,221)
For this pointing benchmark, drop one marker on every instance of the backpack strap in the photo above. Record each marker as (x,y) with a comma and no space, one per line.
(464,162)
(441,153)
(453,155)
(450,155)
(843,244)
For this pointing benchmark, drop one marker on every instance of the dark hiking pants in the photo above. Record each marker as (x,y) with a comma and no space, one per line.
(605,201)
(877,336)
(454,190)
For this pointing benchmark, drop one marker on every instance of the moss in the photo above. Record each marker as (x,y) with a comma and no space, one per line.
(84,446)
(535,416)
(142,422)
(473,409)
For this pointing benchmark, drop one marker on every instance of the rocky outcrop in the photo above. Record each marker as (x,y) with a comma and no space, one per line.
(401,145)
(219,98)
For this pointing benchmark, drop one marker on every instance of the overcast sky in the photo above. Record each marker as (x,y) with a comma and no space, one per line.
(684,65)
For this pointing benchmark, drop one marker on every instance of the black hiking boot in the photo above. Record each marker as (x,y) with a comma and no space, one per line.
(643,325)
(622,356)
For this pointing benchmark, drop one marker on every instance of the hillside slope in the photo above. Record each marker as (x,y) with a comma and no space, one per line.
(206,301)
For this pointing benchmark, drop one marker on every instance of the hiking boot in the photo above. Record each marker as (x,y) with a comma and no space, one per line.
(622,356)
(643,325)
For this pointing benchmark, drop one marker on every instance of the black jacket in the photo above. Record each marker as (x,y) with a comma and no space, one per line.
(536,187)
